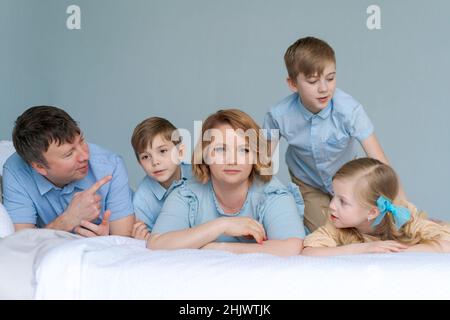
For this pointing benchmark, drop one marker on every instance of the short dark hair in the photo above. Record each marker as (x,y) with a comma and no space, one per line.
(40,126)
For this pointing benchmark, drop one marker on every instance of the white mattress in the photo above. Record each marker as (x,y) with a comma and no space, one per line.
(122,268)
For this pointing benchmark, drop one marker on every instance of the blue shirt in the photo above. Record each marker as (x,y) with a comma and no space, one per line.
(277,207)
(319,144)
(150,196)
(32,199)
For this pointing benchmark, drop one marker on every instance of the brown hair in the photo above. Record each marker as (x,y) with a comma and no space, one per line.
(375,179)
(238,120)
(40,126)
(146,131)
(308,56)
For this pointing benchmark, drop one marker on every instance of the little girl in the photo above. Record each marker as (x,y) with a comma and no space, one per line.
(364,216)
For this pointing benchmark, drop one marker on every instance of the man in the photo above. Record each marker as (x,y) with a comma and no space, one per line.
(56,180)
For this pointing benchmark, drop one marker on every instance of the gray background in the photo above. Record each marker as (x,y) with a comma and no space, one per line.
(184,59)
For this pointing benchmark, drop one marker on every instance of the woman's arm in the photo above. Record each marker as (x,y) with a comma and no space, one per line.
(288,247)
(199,236)
(373,149)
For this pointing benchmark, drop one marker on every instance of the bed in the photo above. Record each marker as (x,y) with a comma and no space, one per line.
(48,264)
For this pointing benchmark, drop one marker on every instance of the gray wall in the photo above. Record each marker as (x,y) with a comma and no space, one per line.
(183,59)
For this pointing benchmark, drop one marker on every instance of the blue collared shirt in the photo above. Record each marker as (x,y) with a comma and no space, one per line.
(150,196)
(32,199)
(319,144)
(277,207)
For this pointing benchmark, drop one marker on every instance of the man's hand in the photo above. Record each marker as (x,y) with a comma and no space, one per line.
(86,205)
(89,229)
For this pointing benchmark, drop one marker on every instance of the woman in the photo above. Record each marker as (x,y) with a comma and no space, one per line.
(234,204)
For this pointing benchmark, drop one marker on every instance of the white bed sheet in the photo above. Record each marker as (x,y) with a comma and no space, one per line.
(122,268)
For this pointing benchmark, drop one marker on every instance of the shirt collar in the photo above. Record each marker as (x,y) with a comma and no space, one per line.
(219,208)
(323,114)
(44,185)
(160,192)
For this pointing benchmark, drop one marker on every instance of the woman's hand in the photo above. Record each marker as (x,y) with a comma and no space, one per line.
(140,231)
(244,226)
(381,247)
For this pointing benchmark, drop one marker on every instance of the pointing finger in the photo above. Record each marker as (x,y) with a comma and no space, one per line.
(99,184)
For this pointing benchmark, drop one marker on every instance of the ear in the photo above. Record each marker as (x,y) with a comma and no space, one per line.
(40,168)
(373,213)
(292,84)
(181,150)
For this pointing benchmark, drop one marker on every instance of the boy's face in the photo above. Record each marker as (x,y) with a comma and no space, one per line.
(161,161)
(316,90)
(66,163)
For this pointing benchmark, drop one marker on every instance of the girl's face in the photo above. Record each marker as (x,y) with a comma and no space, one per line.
(346,210)
(229,156)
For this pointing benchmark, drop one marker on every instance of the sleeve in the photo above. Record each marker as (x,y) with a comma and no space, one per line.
(174,215)
(119,197)
(323,237)
(270,127)
(428,230)
(361,126)
(17,202)
(143,210)
(283,216)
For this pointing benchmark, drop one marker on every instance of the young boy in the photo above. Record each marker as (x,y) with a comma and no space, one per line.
(159,151)
(320,124)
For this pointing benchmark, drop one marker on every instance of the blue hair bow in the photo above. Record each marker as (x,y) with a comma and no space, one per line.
(401,215)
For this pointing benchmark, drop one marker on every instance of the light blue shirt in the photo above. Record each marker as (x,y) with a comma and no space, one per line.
(150,196)
(277,207)
(31,198)
(319,144)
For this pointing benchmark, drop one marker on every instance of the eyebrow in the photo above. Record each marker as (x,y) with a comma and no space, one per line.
(343,197)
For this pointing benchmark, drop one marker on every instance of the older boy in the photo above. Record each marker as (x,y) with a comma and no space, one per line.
(320,124)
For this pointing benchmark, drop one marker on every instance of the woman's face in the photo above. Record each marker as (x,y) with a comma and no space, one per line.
(229,156)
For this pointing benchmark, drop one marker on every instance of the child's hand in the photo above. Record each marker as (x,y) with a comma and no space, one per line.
(382,247)
(140,231)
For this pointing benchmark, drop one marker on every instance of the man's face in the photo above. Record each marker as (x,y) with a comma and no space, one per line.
(66,163)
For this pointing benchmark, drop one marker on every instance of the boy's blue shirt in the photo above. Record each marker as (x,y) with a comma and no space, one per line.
(150,196)
(319,144)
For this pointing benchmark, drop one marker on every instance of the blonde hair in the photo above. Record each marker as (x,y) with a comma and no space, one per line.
(372,180)
(308,56)
(238,120)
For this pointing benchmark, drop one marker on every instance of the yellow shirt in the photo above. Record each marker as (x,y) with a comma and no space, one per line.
(329,235)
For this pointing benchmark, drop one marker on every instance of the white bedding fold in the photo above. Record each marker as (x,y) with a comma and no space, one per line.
(122,268)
